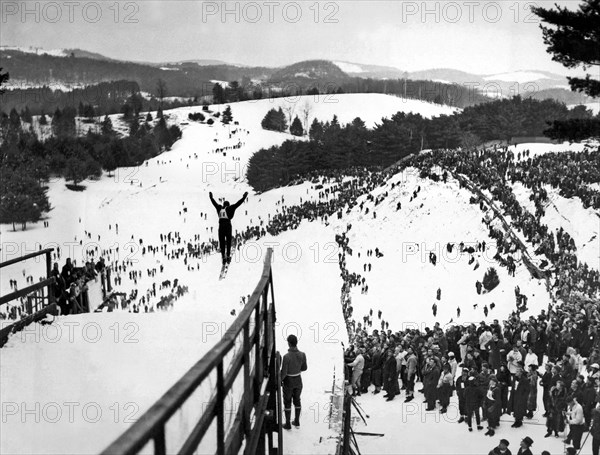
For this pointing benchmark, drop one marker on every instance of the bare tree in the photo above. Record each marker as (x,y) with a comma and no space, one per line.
(289,112)
(161,90)
(306,110)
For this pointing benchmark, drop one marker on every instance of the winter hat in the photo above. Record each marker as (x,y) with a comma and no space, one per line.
(527,440)
(596,366)
(505,442)
(451,354)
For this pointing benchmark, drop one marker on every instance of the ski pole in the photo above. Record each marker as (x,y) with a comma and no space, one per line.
(359,413)
(362,409)
(584,441)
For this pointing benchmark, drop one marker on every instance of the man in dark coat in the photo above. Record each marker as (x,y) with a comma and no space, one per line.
(390,377)
(524,448)
(472,403)
(518,397)
(547,384)
(502,448)
(461,385)
(555,420)
(495,348)
(493,405)
(595,432)
(67,272)
(431,375)
(376,368)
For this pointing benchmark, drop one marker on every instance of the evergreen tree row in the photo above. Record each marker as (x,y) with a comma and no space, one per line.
(92,101)
(26,163)
(335,146)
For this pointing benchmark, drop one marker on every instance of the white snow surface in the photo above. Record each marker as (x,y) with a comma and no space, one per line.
(516,76)
(119,363)
(36,50)
(349,67)
(582,224)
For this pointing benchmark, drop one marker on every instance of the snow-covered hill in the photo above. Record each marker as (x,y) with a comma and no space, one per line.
(516,76)
(121,362)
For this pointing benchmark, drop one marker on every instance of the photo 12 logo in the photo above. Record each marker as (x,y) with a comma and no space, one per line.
(470,12)
(270,12)
(69,12)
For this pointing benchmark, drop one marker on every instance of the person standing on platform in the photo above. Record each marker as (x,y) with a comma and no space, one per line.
(293,364)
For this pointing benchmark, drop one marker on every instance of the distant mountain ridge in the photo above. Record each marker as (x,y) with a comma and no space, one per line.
(32,67)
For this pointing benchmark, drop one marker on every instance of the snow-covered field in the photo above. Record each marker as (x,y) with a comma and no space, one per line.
(403,283)
(582,224)
(119,363)
(516,76)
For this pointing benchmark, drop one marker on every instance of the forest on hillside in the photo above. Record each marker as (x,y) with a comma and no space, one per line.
(335,146)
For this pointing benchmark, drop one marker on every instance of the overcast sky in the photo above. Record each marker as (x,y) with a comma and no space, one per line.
(479,37)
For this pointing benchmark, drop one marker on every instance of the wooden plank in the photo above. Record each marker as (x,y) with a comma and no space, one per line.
(136,437)
(23,292)
(19,325)
(160,446)
(191,444)
(220,411)
(259,417)
(24,258)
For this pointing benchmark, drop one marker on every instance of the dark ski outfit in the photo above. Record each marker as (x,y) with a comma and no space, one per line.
(225,216)
(294,363)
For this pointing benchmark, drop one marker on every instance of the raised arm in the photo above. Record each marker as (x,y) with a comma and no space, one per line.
(217,206)
(240,202)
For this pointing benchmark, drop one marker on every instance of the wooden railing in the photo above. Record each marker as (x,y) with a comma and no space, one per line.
(40,299)
(257,420)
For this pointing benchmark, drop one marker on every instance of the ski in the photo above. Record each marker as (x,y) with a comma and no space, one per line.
(224,269)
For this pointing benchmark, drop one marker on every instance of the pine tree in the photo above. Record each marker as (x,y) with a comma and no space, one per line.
(227,116)
(107,127)
(161,90)
(490,279)
(75,170)
(22,198)
(127,111)
(63,122)
(575,41)
(26,116)
(274,120)
(43,119)
(280,121)
(149,117)
(296,128)
(14,120)
(316,131)
(218,94)
(134,127)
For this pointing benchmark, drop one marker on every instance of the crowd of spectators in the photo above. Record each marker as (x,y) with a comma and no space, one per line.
(500,367)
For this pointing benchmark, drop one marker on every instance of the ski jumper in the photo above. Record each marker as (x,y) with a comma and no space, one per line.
(225,216)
